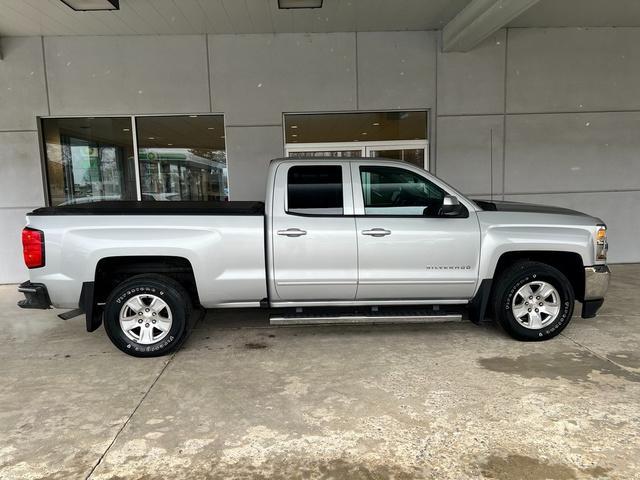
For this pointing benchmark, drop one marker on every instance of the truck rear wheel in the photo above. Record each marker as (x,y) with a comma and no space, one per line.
(533,301)
(147,315)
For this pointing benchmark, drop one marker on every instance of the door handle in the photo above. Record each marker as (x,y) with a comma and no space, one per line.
(292,232)
(377,232)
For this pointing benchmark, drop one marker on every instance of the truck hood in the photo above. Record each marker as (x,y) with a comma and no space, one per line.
(503,206)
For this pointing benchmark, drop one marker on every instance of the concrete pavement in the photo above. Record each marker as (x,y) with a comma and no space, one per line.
(246,400)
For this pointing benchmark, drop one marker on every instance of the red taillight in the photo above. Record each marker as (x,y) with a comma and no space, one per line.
(33,247)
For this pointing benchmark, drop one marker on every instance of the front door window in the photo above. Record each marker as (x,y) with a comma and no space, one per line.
(396,191)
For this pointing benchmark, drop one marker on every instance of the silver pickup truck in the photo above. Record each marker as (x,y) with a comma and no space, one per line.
(337,240)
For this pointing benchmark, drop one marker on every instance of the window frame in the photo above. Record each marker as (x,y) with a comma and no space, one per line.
(347,188)
(132,120)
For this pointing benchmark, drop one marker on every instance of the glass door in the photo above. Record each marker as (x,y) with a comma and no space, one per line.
(415,156)
(415,152)
(326,149)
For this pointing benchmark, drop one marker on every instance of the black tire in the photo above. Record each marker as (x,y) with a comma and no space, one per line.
(165,288)
(518,275)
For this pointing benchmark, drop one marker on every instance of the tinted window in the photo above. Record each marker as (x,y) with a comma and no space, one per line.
(396,191)
(315,190)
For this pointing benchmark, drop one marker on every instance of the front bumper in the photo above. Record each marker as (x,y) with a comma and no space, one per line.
(36,296)
(596,284)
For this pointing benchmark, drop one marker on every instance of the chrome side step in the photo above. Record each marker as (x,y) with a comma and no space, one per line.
(299,319)
(71,314)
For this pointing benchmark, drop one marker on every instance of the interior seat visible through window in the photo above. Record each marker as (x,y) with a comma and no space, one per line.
(396,191)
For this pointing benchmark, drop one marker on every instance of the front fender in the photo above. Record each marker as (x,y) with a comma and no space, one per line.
(498,240)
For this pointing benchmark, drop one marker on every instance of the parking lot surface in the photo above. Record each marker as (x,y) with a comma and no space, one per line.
(243,399)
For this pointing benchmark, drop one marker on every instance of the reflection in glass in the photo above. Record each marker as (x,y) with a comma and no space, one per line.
(414,156)
(327,154)
(182,158)
(355,126)
(89,159)
(396,191)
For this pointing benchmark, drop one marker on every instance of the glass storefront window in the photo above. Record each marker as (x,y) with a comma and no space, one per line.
(89,159)
(390,135)
(182,158)
(355,127)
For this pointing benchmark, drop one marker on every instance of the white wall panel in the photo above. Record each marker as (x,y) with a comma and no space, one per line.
(249,151)
(21,174)
(255,78)
(573,69)
(127,74)
(23,95)
(469,153)
(572,152)
(473,82)
(396,70)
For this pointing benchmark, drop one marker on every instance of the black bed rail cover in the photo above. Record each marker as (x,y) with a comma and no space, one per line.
(127,207)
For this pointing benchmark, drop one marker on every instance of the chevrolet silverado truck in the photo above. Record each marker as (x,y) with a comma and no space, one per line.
(336,241)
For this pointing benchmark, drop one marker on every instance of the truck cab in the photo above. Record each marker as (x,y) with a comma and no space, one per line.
(368,232)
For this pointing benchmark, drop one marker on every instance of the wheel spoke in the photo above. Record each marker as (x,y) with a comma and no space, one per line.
(526,291)
(145,335)
(535,321)
(520,310)
(153,304)
(129,323)
(163,324)
(135,303)
(160,306)
(550,310)
(545,290)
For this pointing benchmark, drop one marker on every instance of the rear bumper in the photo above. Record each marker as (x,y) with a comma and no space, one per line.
(596,284)
(36,296)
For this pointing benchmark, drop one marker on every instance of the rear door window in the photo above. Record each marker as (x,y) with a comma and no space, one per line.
(315,190)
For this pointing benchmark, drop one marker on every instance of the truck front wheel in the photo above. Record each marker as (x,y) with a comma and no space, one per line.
(533,301)
(147,315)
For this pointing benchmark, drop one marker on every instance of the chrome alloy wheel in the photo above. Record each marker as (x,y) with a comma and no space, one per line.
(145,319)
(535,305)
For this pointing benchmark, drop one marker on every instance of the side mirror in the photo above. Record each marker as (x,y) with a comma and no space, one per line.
(451,206)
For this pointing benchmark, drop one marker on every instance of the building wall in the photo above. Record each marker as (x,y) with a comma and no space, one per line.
(549,115)
(541,115)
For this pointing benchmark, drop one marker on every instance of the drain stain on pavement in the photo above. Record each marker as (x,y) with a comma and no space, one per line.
(522,467)
(255,346)
(575,366)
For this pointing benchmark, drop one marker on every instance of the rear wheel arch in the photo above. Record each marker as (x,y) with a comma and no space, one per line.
(112,271)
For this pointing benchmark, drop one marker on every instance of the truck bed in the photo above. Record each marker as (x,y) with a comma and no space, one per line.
(222,241)
(126,207)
